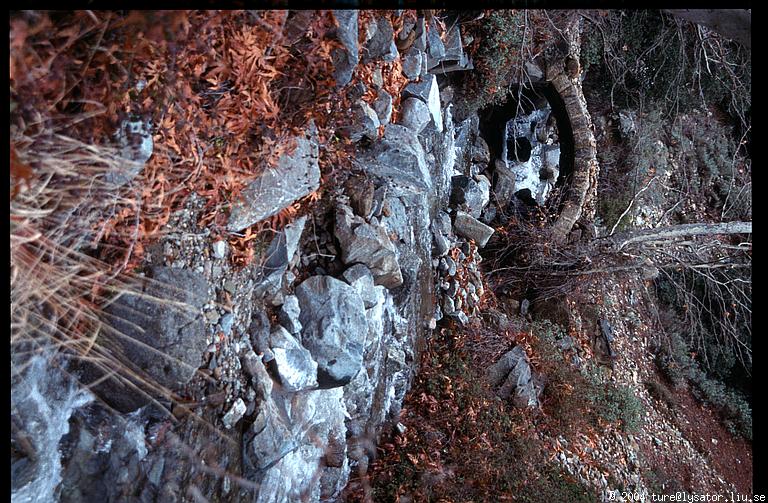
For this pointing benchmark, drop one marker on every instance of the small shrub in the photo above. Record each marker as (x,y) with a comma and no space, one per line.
(660,391)
(618,403)
(674,360)
(496,58)
(505,40)
(564,393)
(554,484)
(576,397)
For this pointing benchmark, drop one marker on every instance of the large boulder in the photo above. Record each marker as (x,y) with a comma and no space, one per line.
(158,333)
(367,244)
(513,372)
(296,175)
(333,328)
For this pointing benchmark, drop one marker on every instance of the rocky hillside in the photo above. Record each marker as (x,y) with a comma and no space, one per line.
(314,256)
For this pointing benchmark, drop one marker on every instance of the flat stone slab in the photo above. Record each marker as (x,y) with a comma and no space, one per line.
(297,174)
(469,227)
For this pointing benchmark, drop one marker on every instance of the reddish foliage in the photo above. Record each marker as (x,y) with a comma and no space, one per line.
(225,92)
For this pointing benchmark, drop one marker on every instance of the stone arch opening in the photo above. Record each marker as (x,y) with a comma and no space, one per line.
(541,110)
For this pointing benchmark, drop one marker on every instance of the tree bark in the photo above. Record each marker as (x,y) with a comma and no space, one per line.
(676,231)
(734,24)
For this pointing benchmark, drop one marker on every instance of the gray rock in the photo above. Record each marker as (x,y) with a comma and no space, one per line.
(453,44)
(381,45)
(453,58)
(514,370)
(398,157)
(134,137)
(296,175)
(484,190)
(442,243)
(451,266)
(461,316)
(226,322)
(383,106)
(435,46)
(269,438)
(294,364)
(427,91)
(156,472)
(230,287)
(448,305)
(345,59)
(447,66)
(504,190)
(489,214)
(360,278)
(333,328)
(479,152)
(412,63)
(289,315)
(534,71)
(377,78)
(306,469)
(363,123)
(441,231)
(525,305)
(219,249)
(443,222)
(159,331)
(414,114)
(235,414)
(420,42)
(551,157)
(469,227)
(367,244)
(470,194)
(279,256)
(259,331)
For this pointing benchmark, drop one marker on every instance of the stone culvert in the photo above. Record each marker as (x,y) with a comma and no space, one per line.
(564,74)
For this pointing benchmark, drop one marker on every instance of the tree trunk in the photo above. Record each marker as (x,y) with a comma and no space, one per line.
(676,231)
(734,24)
